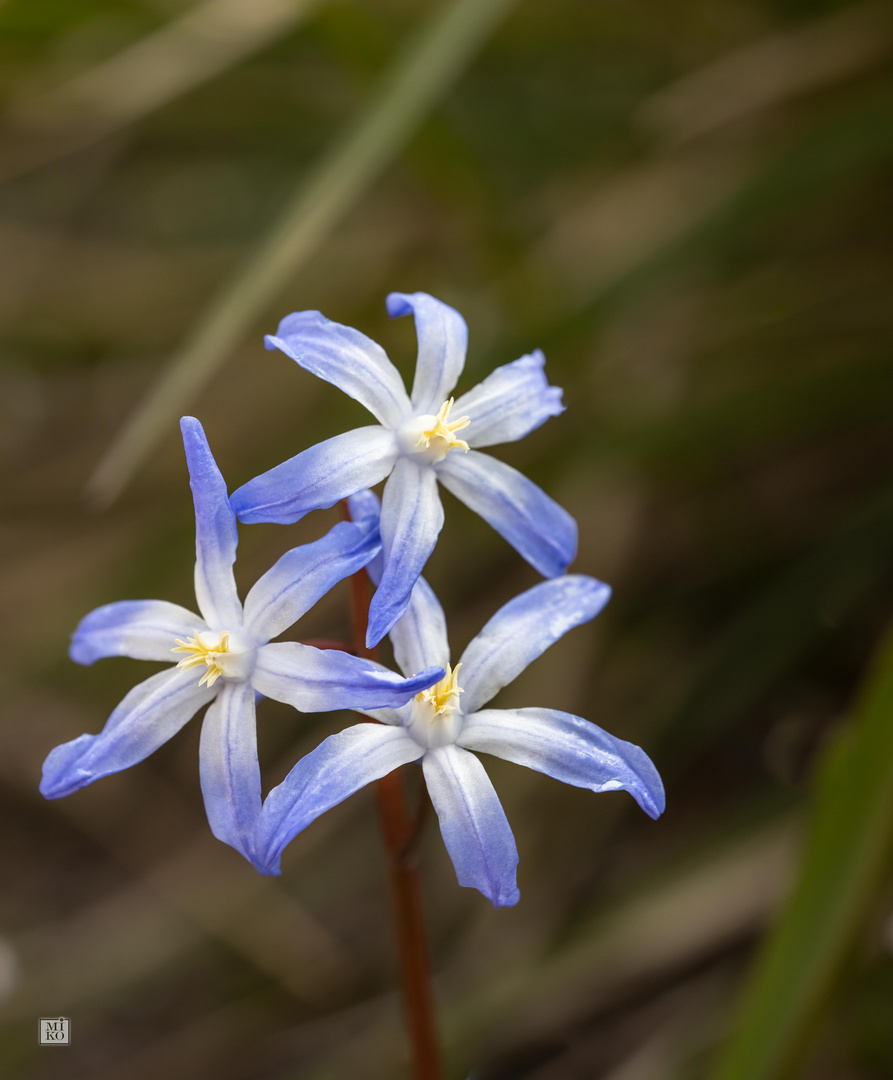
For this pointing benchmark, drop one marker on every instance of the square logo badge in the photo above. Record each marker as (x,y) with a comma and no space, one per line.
(54,1031)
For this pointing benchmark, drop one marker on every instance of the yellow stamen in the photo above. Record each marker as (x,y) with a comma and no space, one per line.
(444,430)
(442,696)
(200,653)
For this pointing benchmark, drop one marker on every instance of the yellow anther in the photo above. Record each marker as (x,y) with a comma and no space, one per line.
(200,652)
(444,430)
(442,697)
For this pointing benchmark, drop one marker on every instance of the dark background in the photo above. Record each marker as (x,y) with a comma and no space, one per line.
(686,204)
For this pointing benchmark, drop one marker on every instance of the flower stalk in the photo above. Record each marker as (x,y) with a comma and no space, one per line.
(399,832)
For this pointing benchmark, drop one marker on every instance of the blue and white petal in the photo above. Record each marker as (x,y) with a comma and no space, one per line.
(230,773)
(304,575)
(216,535)
(512,401)
(538,528)
(347,359)
(318,477)
(411,520)
(443,342)
(567,748)
(474,826)
(523,629)
(319,680)
(419,637)
(338,767)
(141,629)
(153,712)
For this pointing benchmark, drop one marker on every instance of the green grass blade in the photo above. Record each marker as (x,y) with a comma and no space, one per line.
(340,178)
(846,851)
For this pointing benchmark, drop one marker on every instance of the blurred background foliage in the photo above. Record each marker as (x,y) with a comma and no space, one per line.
(686,204)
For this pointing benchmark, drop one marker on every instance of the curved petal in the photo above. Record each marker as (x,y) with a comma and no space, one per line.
(538,528)
(512,401)
(142,629)
(230,773)
(419,637)
(411,520)
(149,715)
(443,343)
(304,575)
(216,534)
(568,748)
(474,826)
(523,629)
(338,767)
(318,477)
(319,680)
(347,359)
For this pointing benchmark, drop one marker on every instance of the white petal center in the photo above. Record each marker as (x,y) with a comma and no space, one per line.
(431,436)
(436,719)
(226,653)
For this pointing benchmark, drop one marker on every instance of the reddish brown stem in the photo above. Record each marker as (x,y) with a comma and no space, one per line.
(399,832)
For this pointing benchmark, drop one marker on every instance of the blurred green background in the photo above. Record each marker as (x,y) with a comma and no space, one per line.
(686,204)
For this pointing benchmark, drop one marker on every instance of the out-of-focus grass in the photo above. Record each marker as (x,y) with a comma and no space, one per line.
(687,207)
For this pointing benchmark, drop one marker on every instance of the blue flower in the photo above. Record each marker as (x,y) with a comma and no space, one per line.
(417,444)
(443,724)
(224,658)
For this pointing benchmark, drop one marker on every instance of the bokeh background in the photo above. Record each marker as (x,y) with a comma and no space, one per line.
(686,204)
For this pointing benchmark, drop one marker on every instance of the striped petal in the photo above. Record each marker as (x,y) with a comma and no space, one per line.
(153,712)
(512,401)
(419,637)
(338,767)
(536,526)
(411,520)
(443,343)
(523,629)
(304,575)
(319,680)
(474,826)
(230,773)
(567,748)
(216,535)
(347,359)
(142,629)
(318,477)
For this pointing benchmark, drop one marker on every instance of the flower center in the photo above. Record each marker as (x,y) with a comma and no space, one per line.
(442,697)
(434,436)
(204,649)
(435,718)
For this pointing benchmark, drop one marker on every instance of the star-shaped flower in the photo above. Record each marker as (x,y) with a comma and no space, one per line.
(417,443)
(442,725)
(227,657)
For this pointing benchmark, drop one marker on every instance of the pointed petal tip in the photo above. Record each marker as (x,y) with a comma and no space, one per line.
(398,304)
(61,775)
(423,679)
(79,652)
(654,803)
(505,898)
(270,868)
(382,617)
(195,441)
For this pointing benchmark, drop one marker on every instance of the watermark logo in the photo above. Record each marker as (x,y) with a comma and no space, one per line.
(54,1031)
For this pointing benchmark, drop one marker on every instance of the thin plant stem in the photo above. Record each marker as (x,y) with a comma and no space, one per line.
(400,831)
